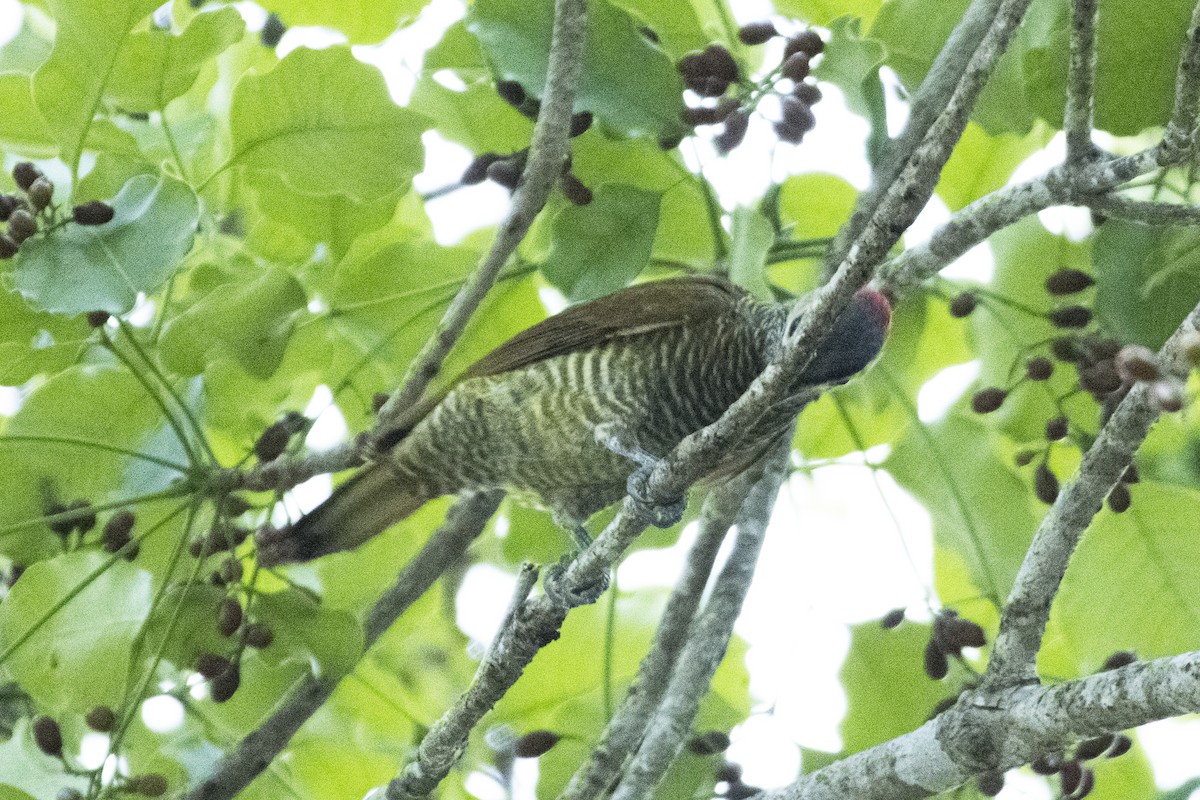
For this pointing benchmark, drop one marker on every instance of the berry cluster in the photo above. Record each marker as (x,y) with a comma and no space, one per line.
(1105,368)
(949,636)
(507,170)
(34,209)
(223,671)
(47,735)
(710,73)
(729,773)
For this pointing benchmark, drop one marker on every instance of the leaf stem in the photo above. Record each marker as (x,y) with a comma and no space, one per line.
(86,582)
(13,438)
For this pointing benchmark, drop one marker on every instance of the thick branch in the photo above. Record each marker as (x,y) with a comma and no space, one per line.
(1028,608)
(1005,729)
(626,729)
(464,521)
(707,643)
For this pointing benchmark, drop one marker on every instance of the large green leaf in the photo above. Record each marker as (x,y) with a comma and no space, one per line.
(363,21)
(155,66)
(627,82)
(323,121)
(1148,279)
(601,247)
(1136,58)
(981,164)
(79,658)
(887,690)
(26,773)
(1129,568)
(980,508)
(85,268)
(69,87)
(249,322)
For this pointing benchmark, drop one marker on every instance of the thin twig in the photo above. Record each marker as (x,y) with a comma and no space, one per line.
(1023,623)
(928,102)
(627,727)
(707,643)
(1081,79)
(1145,211)
(464,522)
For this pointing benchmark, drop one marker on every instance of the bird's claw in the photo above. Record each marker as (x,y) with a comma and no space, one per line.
(557,591)
(661,515)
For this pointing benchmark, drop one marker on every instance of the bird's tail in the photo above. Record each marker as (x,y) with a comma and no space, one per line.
(366,505)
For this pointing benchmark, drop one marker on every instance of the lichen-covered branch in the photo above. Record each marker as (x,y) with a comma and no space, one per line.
(605,763)
(1081,78)
(464,521)
(1028,608)
(671,722)
(928,102)
(1004,729)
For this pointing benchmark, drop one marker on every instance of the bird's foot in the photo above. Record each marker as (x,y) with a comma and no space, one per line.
(557,590)
(661,515)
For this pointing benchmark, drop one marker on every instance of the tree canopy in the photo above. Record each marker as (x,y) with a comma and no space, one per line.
(200,236)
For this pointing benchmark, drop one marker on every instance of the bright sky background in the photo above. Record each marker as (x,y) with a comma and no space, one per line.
(845,545)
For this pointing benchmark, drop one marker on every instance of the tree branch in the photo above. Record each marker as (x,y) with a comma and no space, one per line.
(706,646)
(928,102)
(1081,76)
(626,729)
(464,521)
(1004,729)
(537,622)
(1014,655)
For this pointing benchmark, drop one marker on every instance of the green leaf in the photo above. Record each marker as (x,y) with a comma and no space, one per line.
(69,87)
(26,773)
(21,125)
(981,164)
(79,658)
(1136,54)
(887,690)
(332,640)
(980,508)
(1147,279)
(851,62)
(347,138)
(155,66)
(676,23)
(752,237)
(32,342)
(823,12)
(247,322)
(601,247)
(363,21)
(1128,566)
(90,403)
(85,268)
(642,101)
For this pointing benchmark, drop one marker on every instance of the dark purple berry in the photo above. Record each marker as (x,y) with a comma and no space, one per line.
(753,33)
(535,743)
(101,718)
(223,686)
(229,617)
(580,122)
(1119,659)
(736,125)
(259,636)
(1120,747)
(807,42)
(8,248)
(25,173)
(796,67)
(962,304)
(806,93)
(1057,428)
(46,733)
(1045,484)
(985,401)
(1068,281)
(574,190)
(937,666)
(92,213)
(892,619)
(709,743)
(272,442)
(476,172)
(1039,368)
(21,225)
(511,92)
(990,783)
(40,192)
(1119,499)
(1136,362)
(272,30)
(1070,317)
